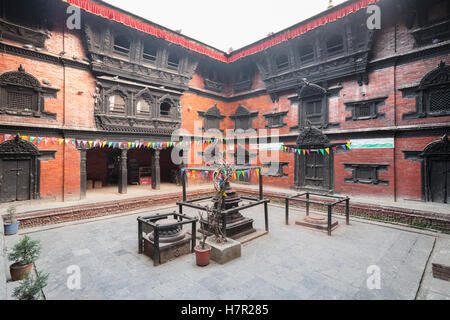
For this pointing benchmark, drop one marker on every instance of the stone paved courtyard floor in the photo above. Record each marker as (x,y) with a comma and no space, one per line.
(291,262)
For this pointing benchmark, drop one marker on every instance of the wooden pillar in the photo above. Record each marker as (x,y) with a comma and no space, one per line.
(156,171)
(83,174)
(123,173)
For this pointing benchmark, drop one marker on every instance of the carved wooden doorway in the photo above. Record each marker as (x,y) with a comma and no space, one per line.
(19,171)
(437,171)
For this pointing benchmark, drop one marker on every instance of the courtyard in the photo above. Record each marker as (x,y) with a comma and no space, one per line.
(290,262)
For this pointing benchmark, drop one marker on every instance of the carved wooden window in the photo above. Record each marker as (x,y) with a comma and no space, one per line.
(437,101)
(117,103)
(432,95)
(282,62)
(173,61)
(165,109)
(275,120)
(212,123)
(122,44)
(21,94)
(142,106)
(335,45)
(314,111)
(243,122)
(366,173)
(275,169)
(365,110)
(149,52)
(306,53)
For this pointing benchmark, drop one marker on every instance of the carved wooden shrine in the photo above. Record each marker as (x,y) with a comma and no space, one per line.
(162,238)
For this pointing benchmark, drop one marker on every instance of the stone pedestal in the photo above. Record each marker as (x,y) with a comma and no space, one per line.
(168,251)
(173,241)
(316,222)
(224,252)
(236,224)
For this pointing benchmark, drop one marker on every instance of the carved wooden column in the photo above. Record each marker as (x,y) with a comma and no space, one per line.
(123,173)
(83,174)
(156,171)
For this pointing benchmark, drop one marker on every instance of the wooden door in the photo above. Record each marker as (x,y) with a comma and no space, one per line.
(23,180)
(15,184)
(314,171)
(439,181)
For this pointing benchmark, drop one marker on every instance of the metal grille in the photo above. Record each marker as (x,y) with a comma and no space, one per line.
(440,101)
(19,100)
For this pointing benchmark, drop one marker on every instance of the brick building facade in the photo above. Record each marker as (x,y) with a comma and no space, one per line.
(100,103)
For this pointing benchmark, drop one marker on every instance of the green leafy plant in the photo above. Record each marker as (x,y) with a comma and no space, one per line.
(31,287)
(26,251)
(10,216)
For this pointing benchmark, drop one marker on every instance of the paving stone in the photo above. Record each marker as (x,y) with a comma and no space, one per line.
(291,262)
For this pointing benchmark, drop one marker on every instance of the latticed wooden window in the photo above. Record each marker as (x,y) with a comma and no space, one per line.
(20,100)
(117,103)
(439,101)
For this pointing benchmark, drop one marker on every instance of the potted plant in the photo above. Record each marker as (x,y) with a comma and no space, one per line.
(23,254)
(203,250)
(31,287)
(11,224)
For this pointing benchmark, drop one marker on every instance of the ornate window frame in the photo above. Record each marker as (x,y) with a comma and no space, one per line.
(271,116)
(437,79)
(242,115)
(18,82)
(372,169)
(372,104)
(212,113)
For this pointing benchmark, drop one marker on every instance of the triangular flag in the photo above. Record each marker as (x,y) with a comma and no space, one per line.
(327,150)
(90,144)
(7,136)
(322,152)
(61,141)
(32,138)
(39,140)
(25,137)
(67,140)
(307,151)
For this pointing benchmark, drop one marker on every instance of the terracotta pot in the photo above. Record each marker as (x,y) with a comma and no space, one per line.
(18,271)
(202,255)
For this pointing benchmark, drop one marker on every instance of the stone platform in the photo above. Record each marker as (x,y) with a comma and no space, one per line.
(316,222)
(224,252)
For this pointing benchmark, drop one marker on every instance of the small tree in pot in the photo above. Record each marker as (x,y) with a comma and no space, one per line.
(23,254)
(11,225)
(31,287)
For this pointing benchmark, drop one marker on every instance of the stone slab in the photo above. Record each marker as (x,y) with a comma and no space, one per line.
(224,252)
